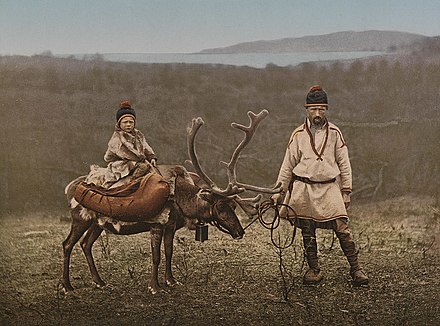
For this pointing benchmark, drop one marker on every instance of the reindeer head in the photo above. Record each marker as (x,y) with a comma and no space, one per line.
(220,212)
(224,200)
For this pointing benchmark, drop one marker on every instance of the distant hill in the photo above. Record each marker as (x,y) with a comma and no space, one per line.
(348,41)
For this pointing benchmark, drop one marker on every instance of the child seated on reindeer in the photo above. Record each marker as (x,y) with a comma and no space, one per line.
(128,155)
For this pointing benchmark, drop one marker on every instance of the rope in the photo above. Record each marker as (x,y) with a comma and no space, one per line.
(274,223)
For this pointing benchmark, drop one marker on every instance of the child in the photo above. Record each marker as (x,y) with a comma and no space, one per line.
(128,154)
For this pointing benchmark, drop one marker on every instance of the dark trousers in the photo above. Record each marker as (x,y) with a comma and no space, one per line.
(343,233)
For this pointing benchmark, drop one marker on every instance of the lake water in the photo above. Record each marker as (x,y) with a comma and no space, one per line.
(257,60)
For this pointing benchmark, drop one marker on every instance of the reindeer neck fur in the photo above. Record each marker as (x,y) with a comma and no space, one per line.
(192,206)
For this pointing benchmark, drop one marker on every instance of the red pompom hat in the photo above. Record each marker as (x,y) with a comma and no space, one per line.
(316,97)
(125,109)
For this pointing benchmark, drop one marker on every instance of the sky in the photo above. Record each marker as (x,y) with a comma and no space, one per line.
(29,27)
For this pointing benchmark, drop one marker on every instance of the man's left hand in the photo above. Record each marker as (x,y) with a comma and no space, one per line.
(346,197)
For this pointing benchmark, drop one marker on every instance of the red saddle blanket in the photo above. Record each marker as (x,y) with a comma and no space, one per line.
(139,200)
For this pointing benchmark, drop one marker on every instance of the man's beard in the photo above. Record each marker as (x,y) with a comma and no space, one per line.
(318,121)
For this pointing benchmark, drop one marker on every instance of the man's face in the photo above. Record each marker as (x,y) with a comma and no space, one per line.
(317,114)
(127,124)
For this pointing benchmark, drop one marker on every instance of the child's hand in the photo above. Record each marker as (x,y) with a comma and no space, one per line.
(141,169)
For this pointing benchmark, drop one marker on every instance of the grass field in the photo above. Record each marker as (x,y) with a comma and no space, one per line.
(227,282)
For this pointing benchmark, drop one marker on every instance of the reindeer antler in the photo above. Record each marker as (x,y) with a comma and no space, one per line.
(234,187)
(231,189)
(254,121)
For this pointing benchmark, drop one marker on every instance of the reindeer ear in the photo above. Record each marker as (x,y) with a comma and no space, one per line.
(199,182)
(206,195)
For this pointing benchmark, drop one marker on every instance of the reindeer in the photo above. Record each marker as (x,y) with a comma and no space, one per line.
(196,199)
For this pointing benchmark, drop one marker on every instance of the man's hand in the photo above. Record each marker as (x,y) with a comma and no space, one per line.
(153,162)
(278,198)
(346,197)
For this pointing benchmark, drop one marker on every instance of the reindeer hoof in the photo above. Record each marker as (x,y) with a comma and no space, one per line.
(99,285)
(172,282)
(67,291)
(153,289)
(67,288)
(156,289)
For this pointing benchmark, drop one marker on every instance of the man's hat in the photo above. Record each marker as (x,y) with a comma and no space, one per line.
(125,109)
(316,97)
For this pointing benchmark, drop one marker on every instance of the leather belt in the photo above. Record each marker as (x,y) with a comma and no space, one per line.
(308,181)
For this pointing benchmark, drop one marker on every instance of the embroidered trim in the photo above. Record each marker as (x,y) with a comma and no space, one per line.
(293,135)
(316,104)
(340,136)
(319,220)
(312,141)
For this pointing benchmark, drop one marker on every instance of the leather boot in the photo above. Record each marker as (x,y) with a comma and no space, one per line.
(357,274)
(359,277)
(313,274)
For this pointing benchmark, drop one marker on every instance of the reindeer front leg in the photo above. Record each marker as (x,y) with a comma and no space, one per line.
(169,232)
(156,241)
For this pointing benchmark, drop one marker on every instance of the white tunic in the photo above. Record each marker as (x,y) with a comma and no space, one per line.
(319,155)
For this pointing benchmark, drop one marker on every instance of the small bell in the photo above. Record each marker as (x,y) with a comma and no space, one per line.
(201,232)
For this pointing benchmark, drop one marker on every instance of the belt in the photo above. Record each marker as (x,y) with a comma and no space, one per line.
(308,181)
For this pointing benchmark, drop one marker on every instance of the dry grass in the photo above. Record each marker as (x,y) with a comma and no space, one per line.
(228,282)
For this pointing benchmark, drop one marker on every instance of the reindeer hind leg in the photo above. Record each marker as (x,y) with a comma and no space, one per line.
(87,242)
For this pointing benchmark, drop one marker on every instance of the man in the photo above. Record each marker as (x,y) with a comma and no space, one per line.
(316,179)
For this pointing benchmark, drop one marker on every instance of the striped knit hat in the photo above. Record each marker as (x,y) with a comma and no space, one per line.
(316,97)
(125,109)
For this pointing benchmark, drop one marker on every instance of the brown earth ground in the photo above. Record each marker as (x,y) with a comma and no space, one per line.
(228,282)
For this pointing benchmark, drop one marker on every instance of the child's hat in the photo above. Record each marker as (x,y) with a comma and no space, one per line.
(125,109)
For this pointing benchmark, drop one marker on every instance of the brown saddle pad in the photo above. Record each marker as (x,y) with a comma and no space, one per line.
(139,200)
